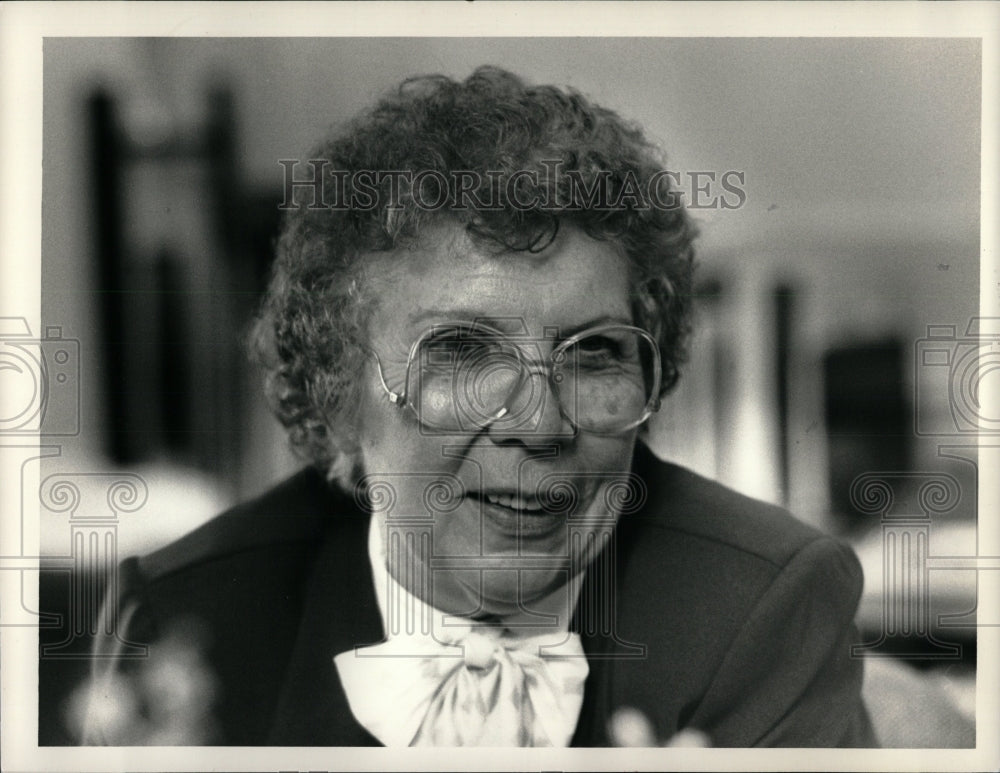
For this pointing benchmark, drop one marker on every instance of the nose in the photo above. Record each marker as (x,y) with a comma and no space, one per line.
(534,415)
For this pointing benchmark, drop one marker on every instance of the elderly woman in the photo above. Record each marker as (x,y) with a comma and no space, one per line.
(477,304)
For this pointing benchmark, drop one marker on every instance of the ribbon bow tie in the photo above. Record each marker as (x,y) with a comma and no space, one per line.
(470,686)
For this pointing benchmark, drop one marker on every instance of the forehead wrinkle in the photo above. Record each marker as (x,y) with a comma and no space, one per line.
(446,272)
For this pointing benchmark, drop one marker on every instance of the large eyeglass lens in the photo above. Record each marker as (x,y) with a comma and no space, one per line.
(462,378)
(605,380)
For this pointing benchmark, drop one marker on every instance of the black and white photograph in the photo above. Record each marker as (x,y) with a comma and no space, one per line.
(506,385)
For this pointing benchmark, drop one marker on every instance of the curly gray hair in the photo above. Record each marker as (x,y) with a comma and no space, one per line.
(312,326)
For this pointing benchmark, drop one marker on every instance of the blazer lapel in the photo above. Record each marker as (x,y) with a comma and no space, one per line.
(596,615)
(339,613)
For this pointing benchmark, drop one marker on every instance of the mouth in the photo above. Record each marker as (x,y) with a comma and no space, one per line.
(528,505)
(518,516)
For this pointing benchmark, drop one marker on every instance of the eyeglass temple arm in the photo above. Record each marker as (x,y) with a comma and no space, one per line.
(394,397)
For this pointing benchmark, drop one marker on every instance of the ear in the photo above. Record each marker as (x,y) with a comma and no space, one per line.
(345,468)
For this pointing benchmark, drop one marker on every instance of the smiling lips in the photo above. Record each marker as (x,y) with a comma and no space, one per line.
(520,516)
(514,502)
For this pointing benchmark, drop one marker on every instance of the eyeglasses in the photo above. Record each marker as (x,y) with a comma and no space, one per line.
(463,377)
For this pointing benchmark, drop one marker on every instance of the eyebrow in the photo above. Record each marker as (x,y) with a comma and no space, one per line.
(510,325)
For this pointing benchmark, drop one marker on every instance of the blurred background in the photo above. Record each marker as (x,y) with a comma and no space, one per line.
(836,332)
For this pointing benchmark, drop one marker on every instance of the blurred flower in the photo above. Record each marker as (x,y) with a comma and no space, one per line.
(630,727)
(163,700)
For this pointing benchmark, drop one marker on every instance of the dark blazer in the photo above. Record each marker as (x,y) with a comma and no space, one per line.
(728,615)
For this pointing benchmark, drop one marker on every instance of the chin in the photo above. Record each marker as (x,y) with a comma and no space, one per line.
(505,592)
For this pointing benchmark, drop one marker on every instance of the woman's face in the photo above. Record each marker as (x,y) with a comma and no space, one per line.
(487,550)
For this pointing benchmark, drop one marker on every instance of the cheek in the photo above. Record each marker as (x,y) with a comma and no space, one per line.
(378,436)
(605,464)
(391,441)
(381,425)
(606,454)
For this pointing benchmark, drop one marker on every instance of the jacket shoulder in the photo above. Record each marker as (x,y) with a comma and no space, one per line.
(297,510)
(735,601)
(684,506)
(704,552)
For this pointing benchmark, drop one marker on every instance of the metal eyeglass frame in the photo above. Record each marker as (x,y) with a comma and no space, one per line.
(528,368)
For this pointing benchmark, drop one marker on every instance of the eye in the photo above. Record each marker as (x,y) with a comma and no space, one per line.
(597,344)
(612,352)
(601,349)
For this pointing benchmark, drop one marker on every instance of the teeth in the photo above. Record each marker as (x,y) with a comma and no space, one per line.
(513,502)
